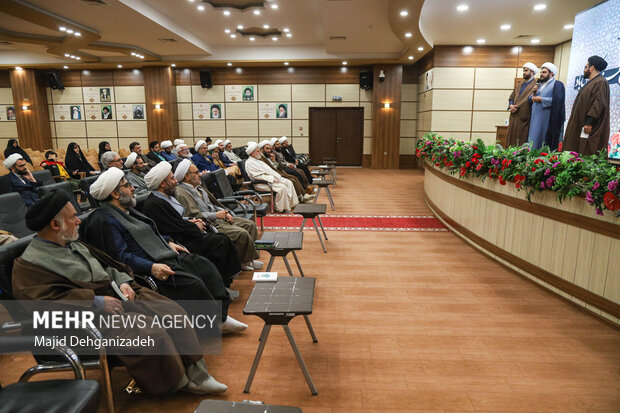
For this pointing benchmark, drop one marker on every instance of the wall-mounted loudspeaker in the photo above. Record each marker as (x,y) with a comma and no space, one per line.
(366,79)
(205,79)
(54,80)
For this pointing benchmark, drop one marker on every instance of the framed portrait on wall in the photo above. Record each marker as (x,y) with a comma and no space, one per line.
(104,95)
(75,112)
(215,111)
(138,112)
(106,112)
(248,93)
(282,111)
(10,113)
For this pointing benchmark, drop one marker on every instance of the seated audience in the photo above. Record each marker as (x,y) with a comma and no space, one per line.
(76,162)
(154,152)
(167,212)
(176,143)
(266,158)
(228,151)
(55,266)
(58,170)
(199,203)
(183,151)
(300,165)
(111,159)
(202,159)
(291,169)
(166,152)
(103,148)
(137,148)
(136,174)
(286,199)
(19,180)
(232,169)
(222,155)
(131,238)
(13,147)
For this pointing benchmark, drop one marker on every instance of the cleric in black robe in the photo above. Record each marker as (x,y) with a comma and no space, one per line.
(162,207)
(132,238)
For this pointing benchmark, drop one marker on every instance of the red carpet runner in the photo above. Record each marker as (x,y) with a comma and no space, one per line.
(358,223)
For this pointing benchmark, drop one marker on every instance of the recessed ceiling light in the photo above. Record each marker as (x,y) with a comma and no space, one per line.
(462,7)
(200,7)
(173,65)
(420,48)
(233,36)
(505,27)
(516,50)
(227,31)
(410,58)
(285,63)
(289,35)
(535,41)
(274,6)
(569,26)
(238,70)
(252,38)
(226,12)
(65,67)
(256,12)
(62,28)
(345,63)
(191,1)
(141,57)
(540,7)
(275,39)
(119,66)
(18,68)
(79,58)
(286,30)
(72,56)
(69,31)
(404,13)
(468,49)
(265,26)
(228,64)
(78,34)
(408,34)
(481,41)
(67,55)
(240,26)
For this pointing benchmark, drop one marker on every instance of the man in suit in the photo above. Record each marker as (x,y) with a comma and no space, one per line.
(19,180)
(155,152)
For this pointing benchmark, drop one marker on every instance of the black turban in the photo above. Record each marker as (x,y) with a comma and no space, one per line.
(45,209)
(598,62)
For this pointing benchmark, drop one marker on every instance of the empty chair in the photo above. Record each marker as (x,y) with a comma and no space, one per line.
(61,186)
(44,176)
(13,215)
(85,184)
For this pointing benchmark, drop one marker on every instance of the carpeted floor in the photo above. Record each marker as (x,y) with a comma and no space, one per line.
(357,223)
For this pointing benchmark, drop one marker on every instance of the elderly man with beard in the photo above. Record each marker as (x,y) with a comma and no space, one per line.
(55,266)
(131,238)
(136,173)
(267,154)
(167,212)
(19,180)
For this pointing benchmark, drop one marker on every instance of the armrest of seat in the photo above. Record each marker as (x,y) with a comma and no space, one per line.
(148,281)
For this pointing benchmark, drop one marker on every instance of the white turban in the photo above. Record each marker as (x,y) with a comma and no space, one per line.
(182,169)
(157,174)
(106,183)
(552,68)
(212,146)
(273,141)
(181,146)
(531,66)
(177,142)
(263,143)
(10,161)
(166,144)
(131,159)
(199,144)
(227,141)
(251,147)
(282,139)
(217,142)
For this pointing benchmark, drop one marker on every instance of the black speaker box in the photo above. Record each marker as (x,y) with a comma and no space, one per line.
(366,79)
(205,79)
(54,80)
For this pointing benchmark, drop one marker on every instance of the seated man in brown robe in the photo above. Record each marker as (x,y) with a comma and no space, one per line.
(55,266)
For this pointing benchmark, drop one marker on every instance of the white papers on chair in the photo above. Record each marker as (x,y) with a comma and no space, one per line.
(584,135)
(265,276)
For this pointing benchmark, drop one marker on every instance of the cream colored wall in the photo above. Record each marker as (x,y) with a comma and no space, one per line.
(241,122)
(561,59)
(589,260)
(89,132)
(8,128)
(408,119)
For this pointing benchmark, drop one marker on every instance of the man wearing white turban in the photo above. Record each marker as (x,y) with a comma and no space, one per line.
(231,156)
(519,107)
(167,151)
(136,174)
(548,112)
(202,159)
(130,237)
(270,160)
(175,146)
(286,198)
(19,180)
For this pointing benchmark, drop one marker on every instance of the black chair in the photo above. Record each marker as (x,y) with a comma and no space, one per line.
(85,184)
(61,186)
(44,176)
(258,209)
(13,215)
(253,182)
(53,396)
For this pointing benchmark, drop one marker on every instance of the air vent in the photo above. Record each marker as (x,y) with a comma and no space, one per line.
(337,37)
(94,2)
(525,36)
(168,40)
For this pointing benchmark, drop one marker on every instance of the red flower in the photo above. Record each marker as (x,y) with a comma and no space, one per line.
(501,180)
(533,169)
(479,167)
(474,147)
(611,201)
(463,171)
(467,164)
(519,179)
(517,186)
(543,154)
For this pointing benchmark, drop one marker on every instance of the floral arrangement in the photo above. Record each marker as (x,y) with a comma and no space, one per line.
(567,173)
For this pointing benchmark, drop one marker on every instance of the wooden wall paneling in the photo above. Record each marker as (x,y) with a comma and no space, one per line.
(5,78)
(495,56)
(128,77)
(97,78)
(241,76)
(71,78)
(386,122)
(183,77)
(410,74)
(217,76)
(453,56)
(159,88)
(33,127)
(536,54)
(425,63)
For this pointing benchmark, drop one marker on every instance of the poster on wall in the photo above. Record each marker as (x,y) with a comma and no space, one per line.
(240,93)
(91,112)
(68,112)
(273,110)
(7,113)
(130,112)
(208,111)
(428,80)
(98,94)
(106,112)
(137,112)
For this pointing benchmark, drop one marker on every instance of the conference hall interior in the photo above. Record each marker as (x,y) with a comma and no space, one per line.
(318,206)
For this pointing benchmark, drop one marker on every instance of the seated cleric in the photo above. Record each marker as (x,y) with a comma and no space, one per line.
(56,266)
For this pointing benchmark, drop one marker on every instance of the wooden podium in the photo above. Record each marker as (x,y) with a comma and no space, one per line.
(502,135)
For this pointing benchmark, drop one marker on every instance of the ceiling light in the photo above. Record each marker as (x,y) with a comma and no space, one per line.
(408,34)
(141,57)
(18,68)
(227,31)
(505,27)
(420,48)
(240,27)
(274,6)
(191,1)
(65,67)
(228,64)
(481,41)
(132,53)
(173,65)
(274,38)
(462,7)
(516,50)
(569,26)
(289,35)
(72,57)
(468,49)
(252,38)
(285,63)
(62,28)
(226,12)
(404,13)
(67,55)
(535,41)
(119,66)
(238,70)
(200,7)
(233,36)
(69,31)
(410,58)
(256,12)
(265,26)
(78,57)
(540,7)
(286,30)
(345,63)
(78,34)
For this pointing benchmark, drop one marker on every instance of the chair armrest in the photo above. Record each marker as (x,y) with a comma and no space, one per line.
(148,281)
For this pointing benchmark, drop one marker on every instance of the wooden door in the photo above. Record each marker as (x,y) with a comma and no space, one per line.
(337,133)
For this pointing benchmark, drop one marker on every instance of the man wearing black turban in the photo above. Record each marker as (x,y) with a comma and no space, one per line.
(587,131)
